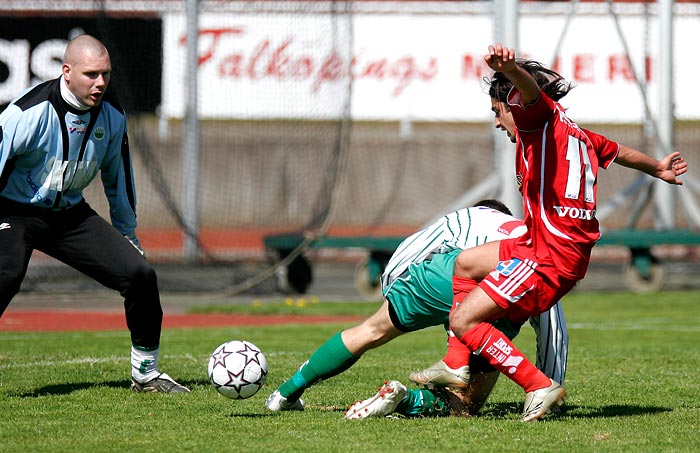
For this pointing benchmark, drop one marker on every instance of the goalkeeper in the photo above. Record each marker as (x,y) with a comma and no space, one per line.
(417,287)
(54,140)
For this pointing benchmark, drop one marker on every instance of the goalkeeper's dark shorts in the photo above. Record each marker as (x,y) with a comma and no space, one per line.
(80,238)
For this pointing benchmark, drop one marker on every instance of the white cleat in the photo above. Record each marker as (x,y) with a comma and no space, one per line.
(540,402)
(382,404)
(441,375)
(276,402)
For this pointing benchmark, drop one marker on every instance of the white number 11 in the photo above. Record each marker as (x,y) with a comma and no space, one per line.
(576,149)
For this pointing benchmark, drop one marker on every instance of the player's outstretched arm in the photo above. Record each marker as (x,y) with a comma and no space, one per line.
(667,169)
(502,59)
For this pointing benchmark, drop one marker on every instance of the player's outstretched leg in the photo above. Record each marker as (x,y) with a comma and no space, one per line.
(332,358)
(336,355)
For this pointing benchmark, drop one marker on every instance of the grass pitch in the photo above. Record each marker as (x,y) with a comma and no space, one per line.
(631,381)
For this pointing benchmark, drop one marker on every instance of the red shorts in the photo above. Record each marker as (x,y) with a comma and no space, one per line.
(523,286)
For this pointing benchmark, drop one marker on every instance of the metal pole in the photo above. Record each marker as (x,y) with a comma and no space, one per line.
(506,32)
(665,194)
(190,161)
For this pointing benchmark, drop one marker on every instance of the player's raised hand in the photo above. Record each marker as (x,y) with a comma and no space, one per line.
(672,166)
(500,58)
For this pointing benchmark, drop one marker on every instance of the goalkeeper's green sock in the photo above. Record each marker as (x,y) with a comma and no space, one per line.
(422,403)
(331,359)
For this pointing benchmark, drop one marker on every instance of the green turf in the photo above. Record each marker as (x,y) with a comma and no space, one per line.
(631,381)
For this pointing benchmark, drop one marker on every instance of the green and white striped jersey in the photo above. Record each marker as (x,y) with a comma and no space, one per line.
(461,230)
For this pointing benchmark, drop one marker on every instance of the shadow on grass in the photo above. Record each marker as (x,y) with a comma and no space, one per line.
(573,411)
(256,415)
(65,389)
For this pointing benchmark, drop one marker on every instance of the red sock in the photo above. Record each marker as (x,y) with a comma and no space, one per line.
(457,353)
(500,352)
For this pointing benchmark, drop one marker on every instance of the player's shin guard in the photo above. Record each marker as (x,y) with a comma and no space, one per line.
(329,360)
(491,344)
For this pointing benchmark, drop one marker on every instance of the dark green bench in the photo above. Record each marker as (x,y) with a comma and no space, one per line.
(644,272)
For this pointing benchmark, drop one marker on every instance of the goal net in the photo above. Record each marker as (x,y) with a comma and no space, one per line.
(328,118)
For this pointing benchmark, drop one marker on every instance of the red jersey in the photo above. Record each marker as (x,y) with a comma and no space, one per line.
(556,169)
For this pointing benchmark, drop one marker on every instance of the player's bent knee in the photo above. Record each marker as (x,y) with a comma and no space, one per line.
(462,268)
(142,275)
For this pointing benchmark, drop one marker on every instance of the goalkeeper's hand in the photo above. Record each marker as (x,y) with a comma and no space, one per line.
(135,242)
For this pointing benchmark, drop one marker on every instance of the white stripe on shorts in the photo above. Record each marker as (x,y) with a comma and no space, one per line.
(512,282)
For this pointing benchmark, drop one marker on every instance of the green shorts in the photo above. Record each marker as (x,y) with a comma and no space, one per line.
(422,297)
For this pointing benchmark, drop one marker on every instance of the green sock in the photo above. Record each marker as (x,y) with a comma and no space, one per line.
(331,359)
(422,403)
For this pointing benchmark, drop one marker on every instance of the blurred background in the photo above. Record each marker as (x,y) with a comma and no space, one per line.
(280,143)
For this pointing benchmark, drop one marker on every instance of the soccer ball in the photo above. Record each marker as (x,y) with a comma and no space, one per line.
(237,369)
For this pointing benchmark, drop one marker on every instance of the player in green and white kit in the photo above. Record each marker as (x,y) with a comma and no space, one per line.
(417,288)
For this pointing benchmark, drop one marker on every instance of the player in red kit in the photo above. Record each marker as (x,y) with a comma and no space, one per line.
(556,167)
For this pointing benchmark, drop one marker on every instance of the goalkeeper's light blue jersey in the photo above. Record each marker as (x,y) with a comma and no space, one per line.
(461,230)
(50,152)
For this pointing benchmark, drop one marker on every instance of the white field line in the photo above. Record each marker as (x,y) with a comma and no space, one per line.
(651,325)
(112,360)
(48,336)
(92,360)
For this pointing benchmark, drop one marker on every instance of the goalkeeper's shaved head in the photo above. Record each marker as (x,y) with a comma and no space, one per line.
(84,46)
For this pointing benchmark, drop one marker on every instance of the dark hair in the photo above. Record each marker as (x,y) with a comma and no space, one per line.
(549,81)
(494,204)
